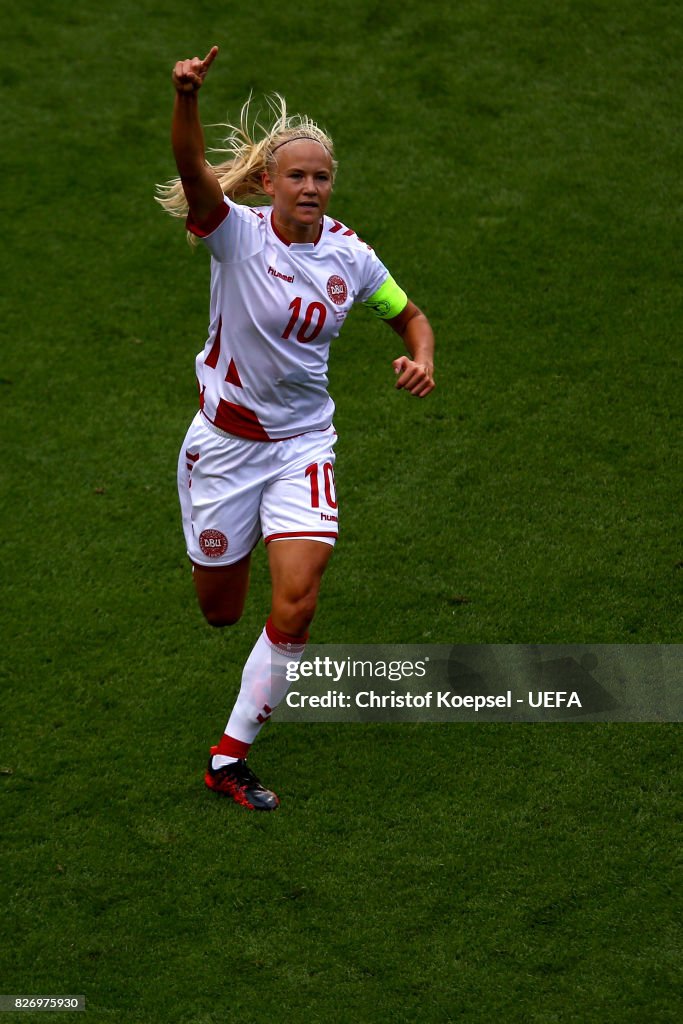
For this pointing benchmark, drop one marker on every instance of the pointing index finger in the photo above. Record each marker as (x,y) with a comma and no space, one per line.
(210,58)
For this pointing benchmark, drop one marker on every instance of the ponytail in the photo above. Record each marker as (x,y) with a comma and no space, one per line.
(248,151)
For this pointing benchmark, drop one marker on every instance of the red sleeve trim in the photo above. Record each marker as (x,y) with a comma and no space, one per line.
(208,226)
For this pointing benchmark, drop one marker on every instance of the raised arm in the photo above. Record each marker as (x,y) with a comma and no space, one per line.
(200,184)
(415,373)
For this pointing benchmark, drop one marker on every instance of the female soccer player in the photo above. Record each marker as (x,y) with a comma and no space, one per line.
(259,455)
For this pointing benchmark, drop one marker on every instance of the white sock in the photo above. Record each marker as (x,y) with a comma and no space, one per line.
(264,686)
(220,760)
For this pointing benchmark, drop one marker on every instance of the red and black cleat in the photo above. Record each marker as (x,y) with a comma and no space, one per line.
(237,780)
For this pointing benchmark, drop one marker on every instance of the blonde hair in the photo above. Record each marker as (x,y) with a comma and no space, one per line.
(240,175)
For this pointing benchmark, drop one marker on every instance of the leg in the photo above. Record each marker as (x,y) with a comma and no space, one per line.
(222,591)
(296,569)
(291,517)
(219,485)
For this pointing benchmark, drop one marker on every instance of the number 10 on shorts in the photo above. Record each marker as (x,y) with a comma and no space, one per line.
(314,474)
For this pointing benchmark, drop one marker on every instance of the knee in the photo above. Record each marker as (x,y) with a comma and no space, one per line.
(221,592)
(297,612)
(305,609)
(218,617)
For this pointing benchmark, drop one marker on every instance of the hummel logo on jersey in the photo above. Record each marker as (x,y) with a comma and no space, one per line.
(283,277)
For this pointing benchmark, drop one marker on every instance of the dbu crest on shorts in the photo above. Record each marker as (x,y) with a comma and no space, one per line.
(213,543)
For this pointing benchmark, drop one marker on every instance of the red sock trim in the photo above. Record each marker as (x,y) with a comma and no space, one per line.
(276,636)
(231,747)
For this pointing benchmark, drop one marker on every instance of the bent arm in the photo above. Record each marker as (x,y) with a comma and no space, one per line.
(200,184)
(415,374)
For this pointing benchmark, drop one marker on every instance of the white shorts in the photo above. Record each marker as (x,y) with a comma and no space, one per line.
(233,491)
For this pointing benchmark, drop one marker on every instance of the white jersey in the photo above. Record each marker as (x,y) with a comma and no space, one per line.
(275,308)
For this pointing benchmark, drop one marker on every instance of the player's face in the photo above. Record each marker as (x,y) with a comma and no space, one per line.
(301,186)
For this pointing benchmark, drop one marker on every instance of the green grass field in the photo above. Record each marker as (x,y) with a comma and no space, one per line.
(518,169)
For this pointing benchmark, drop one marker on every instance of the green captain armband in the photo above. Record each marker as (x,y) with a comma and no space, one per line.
(389,300)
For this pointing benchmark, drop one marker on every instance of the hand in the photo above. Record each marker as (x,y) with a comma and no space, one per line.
(416,378)
(189,75)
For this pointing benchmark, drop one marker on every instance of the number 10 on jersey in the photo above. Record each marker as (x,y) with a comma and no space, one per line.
(312,472)
(313,322)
